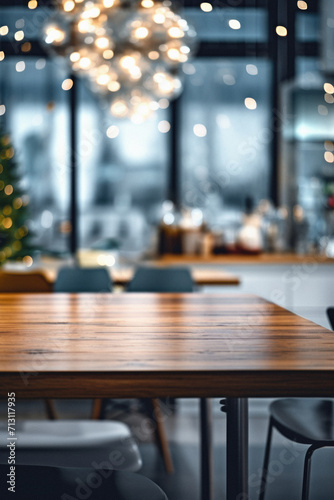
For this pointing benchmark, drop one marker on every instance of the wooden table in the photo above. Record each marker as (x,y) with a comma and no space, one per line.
(151,345)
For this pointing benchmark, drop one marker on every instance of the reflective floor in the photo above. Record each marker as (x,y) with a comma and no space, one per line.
(182,427)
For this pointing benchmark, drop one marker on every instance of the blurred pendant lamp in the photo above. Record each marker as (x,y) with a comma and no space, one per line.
(131,52)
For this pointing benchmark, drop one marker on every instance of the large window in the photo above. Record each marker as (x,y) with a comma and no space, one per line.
(224,126)
(123,174)
(37,116)
(225,133)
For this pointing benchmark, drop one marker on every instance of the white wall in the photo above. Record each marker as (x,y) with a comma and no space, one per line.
(305,289)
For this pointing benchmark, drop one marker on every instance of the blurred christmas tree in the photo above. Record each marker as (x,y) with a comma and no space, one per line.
(14,240)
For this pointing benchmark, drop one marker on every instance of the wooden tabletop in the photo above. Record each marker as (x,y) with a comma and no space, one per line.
(137,345)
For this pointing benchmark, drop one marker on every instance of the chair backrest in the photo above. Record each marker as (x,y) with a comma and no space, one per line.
(21,282)
(77,280)
(39,482)
(330,314)
(157,279)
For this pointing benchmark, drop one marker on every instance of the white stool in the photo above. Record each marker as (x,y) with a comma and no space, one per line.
(72,443)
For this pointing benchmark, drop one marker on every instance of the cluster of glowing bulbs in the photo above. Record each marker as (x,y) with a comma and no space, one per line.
(131,51)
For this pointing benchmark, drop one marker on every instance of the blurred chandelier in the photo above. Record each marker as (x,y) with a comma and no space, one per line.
(130,51)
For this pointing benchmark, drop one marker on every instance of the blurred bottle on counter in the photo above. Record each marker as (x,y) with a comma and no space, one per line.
(181,232)
(169,238)
(192,228)
(300,236)
(249,239)
(274,226)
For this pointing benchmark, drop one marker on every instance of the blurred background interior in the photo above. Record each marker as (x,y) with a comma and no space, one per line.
(238,166)
(251,132)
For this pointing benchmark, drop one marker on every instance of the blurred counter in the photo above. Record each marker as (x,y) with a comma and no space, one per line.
(248,259)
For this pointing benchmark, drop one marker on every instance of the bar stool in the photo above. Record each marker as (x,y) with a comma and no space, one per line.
(302,420)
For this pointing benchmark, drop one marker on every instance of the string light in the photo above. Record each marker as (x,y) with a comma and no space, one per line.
(7,223)
(28,261)
(131,53)
(40,64)
(329,145)
(234,24)
(329,98)
(32,4)
(200,130)
(329,88)
(19,23)
(112,132)
(20,66)
(252,69)
(163,103)
(329,157)
(10,153)
(206,7)
(4,30)
(26,47)
(67,84)
(164,126)
(9,189)
(302,5)
(250,103)
(17,203)
(281,30)
(19,35)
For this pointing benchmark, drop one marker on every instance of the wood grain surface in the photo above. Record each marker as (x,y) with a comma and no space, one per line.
(148,345)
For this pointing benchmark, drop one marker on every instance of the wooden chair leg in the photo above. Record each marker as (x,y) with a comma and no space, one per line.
(160,433)
(160,436)
(50,409)
(97,409)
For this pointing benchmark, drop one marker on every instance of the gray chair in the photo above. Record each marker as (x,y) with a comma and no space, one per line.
(161,280)
(84,280)
(28,282)
(76,443)
(302,420)
(72,443)
(81,280)
(96,483)
(24,282)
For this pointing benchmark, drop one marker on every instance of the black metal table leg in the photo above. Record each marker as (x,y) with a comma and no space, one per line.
(206,450)
(237,449)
